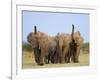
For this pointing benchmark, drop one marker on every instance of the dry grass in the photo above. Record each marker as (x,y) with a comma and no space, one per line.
(28,61)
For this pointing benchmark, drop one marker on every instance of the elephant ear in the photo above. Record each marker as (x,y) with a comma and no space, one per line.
(77,33)
(29,37)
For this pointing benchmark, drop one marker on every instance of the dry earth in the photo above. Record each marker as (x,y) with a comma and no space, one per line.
(28,61)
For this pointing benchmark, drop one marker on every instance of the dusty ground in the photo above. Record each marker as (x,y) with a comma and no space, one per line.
(28,61)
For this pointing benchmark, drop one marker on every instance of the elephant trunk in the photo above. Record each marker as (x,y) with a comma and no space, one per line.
(72,35)
(35,29)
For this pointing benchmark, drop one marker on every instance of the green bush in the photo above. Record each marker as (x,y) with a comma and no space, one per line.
(85,47)
(26,47)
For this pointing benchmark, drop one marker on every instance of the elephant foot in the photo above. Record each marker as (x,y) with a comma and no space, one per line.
(68,61)
(47,62)
(76,61)
(52,61)
(41,64)
(62,62)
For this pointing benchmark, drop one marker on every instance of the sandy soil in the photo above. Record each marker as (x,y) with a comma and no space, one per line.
(28,62)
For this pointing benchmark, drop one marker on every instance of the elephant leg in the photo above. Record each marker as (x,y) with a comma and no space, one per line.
(55,58)
(72,53)
(60,59)
(64,54)
(49,58)
(52,59)
(46,60)
(42,55)
(52,56)
(65,58)
(68,56)
(76,58)
(58,55)
(37,55)
(73,56)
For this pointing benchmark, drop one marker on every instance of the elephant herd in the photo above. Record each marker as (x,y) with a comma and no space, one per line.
(61,48)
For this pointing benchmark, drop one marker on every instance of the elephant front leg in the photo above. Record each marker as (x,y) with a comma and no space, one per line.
(76,56)
(42,55)
(46,60)
(64,53)
(36,55)
(41,60)
(54,58)
(67,59)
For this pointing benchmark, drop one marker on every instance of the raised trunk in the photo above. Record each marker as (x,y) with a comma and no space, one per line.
(72,35)
(35,29)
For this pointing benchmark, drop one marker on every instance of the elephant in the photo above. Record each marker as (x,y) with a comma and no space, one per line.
(39,42)
(78,41)
(72,48)
(50,55)
(63,40)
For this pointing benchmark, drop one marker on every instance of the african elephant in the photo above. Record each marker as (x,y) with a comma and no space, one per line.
(63,48)
(39,42)
(50,55)
(78,44)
